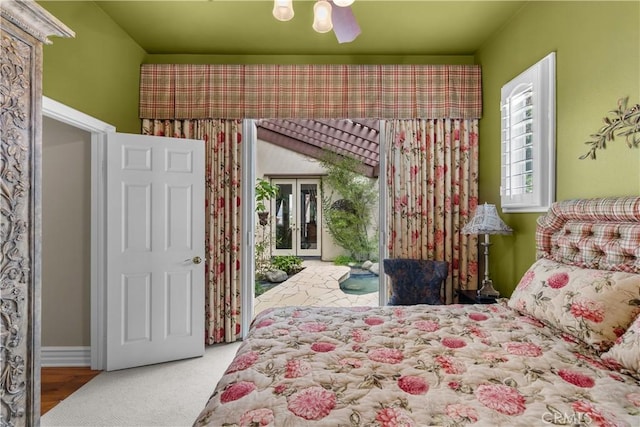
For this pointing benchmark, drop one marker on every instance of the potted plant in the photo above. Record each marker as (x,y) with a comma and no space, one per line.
(265,191)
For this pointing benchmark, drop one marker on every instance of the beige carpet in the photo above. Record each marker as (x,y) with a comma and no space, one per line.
(168,394)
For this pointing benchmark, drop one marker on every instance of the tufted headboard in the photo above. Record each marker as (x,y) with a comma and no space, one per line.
(601,233)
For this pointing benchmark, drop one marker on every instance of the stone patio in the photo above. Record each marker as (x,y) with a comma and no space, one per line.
(317,285)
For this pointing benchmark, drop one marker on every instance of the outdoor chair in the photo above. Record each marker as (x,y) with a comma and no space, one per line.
(416,281)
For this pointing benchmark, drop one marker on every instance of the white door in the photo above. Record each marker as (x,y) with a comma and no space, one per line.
(155,245)
(297,221)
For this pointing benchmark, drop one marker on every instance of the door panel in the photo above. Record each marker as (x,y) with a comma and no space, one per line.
(136,314)
(309,215)
(179,291)
(178,231)
(284,225)
(136,218)
(155,232)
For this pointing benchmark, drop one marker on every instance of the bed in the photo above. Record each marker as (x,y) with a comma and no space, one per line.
(564,349)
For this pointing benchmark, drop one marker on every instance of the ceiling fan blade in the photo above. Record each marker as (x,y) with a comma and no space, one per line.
(345,26)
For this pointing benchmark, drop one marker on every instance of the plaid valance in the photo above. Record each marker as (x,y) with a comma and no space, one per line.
(176,91)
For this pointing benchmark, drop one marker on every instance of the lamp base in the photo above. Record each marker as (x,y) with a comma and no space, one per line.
(487,289)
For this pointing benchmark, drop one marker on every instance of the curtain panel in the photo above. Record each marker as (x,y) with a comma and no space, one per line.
(432,163)
(222,218)
(432,177)
(186,91)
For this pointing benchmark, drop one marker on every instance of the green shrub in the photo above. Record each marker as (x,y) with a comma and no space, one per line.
(290,264)
(348,218)
(343,260)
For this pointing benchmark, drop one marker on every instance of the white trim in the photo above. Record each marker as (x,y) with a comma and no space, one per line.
(248,223)
(98,250)
(62,113)
(98,129)
(65,356)
(541,78)
(383,292)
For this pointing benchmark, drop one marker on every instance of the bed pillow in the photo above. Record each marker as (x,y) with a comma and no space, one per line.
(595,306)
(624,353)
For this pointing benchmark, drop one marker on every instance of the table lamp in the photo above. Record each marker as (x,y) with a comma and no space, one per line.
(486,221)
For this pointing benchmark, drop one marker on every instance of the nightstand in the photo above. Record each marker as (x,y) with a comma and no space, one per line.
(472,297)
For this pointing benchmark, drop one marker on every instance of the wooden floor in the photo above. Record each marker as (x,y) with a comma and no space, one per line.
(58,383)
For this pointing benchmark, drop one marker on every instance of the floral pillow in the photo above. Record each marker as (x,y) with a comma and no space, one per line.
(625,353)
(596,306)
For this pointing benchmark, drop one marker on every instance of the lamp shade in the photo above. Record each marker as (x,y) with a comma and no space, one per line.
(322,22)
(283,10)
(486,221)
(343,3)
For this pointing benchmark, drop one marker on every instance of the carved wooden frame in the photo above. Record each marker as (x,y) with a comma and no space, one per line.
(25,26)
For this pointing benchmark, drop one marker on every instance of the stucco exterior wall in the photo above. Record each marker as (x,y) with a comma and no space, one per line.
(273,161)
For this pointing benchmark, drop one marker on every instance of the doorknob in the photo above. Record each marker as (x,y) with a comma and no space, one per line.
(195,260)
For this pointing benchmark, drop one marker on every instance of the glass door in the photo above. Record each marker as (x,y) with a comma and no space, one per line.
(297,221)
(283,225)
(309,208)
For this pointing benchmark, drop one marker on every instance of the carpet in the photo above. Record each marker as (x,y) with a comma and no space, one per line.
(167,394)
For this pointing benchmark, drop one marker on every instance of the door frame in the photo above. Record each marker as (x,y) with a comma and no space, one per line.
(98,130)
(247,258)
(296,183)
(248,223)
(383,251)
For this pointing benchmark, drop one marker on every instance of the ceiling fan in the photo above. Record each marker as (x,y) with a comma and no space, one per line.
(327,15)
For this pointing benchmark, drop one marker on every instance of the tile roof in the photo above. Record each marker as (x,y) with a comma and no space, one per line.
(358,138)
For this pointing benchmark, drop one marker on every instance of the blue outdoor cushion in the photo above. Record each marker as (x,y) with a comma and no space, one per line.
(416,281)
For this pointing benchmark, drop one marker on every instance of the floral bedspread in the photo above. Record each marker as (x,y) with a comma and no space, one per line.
(416,365)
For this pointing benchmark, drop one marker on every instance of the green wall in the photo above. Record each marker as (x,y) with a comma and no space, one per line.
(98,71)
(597,47)
(311,59)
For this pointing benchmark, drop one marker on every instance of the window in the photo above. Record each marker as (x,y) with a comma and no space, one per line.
(528,117)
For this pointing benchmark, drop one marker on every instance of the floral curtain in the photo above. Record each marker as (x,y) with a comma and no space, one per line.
(179,99)
(432,176)
(222,218)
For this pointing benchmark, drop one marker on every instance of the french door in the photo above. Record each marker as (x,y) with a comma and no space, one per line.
(297,217)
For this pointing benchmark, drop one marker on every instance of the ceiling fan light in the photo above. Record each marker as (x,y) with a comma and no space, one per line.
(322,16)
(283,10)
(343,3)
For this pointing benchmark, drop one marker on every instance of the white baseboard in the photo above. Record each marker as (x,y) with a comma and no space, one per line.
(65,356)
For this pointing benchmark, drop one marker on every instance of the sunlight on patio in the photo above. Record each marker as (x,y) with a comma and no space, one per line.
(317,285)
